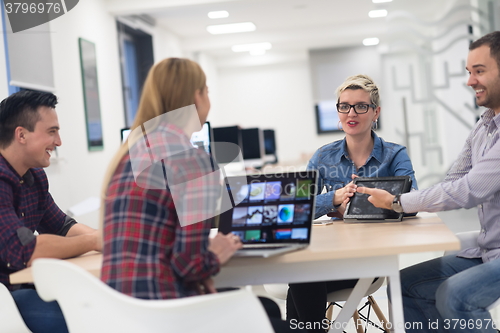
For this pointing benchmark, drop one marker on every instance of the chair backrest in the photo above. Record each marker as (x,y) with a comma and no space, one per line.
(10,318)
(468,239)
(89,305)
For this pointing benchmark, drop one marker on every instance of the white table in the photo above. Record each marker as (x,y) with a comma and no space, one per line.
(338,251)
(345,251)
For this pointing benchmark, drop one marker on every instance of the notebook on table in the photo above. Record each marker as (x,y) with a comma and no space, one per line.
(271,213)
(359,209)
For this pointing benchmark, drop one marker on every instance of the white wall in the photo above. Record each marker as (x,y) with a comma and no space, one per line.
(76,173)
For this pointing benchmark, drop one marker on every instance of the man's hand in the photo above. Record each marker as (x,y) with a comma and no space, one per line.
(379,198)
(224,246)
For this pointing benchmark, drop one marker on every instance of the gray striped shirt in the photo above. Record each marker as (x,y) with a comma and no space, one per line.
(473,180)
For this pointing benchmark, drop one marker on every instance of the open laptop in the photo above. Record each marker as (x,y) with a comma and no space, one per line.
(271,213)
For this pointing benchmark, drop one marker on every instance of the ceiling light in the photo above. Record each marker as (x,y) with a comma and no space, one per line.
(381,1)
(231,28)
(378,13)
(251,47)
(370,41)
(257,52)
(218,14)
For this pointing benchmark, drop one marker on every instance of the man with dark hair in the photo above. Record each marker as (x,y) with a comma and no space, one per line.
(29,133)
(452,293)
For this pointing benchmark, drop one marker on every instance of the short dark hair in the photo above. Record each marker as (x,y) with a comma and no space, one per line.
(493,41)
(21,109)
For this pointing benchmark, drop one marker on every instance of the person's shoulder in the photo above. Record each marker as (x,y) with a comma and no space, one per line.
(389,144)
(388,149)
(332,146)
(6,173)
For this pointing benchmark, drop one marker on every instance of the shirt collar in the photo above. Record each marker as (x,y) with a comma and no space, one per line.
(27,177)
(376,152)
(489,115)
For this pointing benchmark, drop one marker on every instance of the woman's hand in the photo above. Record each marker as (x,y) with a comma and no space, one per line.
(224,246)
(344,194)
(206,287)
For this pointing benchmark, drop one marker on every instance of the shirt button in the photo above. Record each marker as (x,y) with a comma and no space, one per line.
(481,206)
(483,231)
(22,214)
(21,181)
(8,264)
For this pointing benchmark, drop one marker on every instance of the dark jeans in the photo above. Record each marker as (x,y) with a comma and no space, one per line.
(39,316)
(450,294)
(306,302)
(274,314)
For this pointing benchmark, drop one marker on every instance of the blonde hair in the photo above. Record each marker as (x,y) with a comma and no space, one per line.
(171,84)
(361,81)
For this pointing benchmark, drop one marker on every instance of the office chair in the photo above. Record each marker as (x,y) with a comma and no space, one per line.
(10,318)
(89,305)
(280,291)
(468,239)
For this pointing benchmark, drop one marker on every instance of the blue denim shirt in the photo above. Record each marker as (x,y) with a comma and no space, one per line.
(335,168)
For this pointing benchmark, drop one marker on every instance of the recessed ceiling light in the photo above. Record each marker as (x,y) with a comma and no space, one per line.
(377,13)
(381,1)
(218,14)
(231,28)
(370,41)
(251,47)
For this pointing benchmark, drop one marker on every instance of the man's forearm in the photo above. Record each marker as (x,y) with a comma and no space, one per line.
(79,229)
(53,246)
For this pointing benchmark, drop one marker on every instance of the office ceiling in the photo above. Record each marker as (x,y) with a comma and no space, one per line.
(291,26)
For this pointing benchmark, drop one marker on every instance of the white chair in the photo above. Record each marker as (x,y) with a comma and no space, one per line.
(280,291)
(468,239)
(10,318)
(89,305)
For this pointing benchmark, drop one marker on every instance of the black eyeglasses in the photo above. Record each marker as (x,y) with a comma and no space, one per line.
(358,108)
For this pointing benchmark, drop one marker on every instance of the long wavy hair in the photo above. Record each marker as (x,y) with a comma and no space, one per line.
(171,84)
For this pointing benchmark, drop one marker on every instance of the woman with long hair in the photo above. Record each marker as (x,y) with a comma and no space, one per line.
(160,194)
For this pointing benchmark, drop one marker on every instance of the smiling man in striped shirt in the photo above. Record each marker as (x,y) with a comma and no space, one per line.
(452,293)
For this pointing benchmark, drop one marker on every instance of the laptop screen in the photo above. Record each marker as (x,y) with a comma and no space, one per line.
(271,208)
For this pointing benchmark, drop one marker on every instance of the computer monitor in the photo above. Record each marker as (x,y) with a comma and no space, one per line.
(201,139)
(271,155)
(327,117)
(253,147)
(229,134)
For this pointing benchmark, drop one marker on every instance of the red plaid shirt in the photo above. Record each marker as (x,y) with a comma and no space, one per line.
(25,206)
(147,253)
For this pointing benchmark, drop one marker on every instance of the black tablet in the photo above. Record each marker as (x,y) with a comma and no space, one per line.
(359,209)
